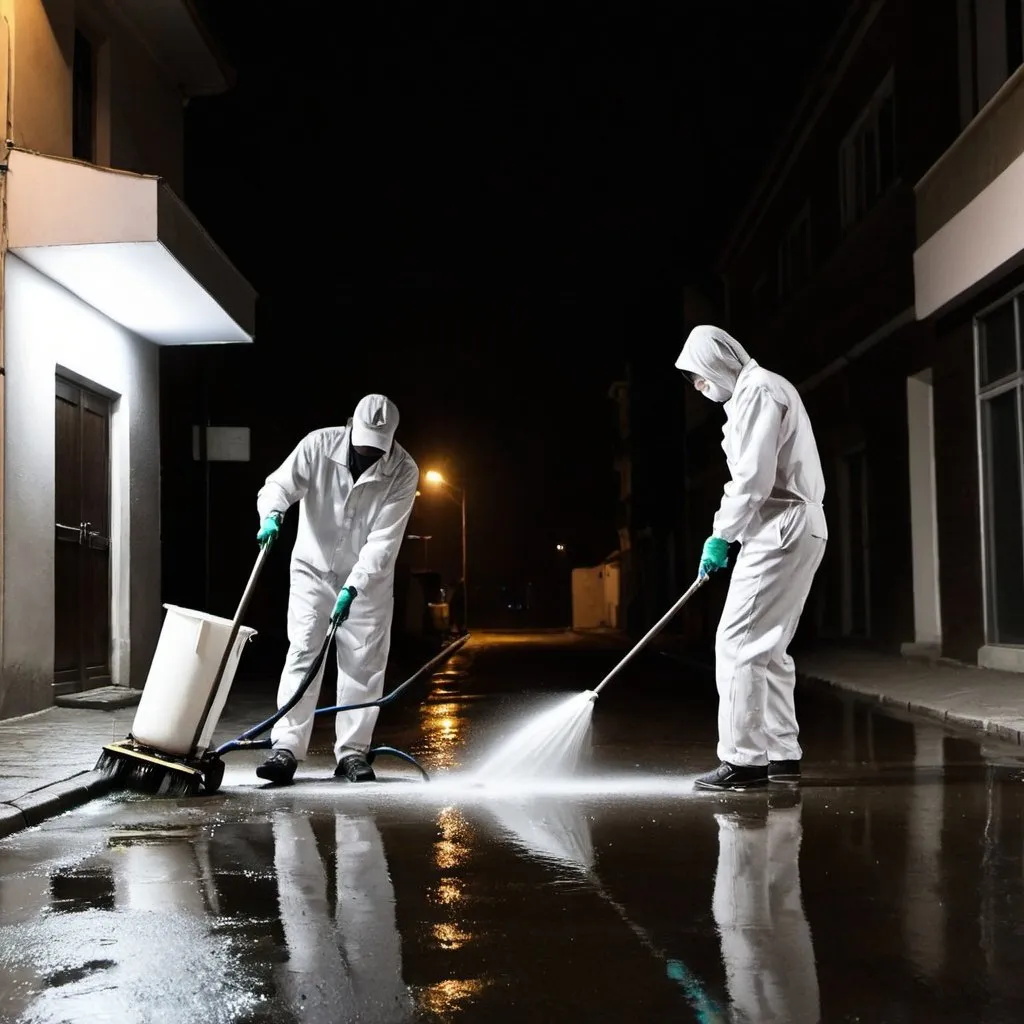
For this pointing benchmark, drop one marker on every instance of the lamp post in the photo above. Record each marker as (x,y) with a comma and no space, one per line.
(436,479)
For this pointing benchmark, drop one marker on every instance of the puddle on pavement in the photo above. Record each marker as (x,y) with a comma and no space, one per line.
(875,902)
(889,888)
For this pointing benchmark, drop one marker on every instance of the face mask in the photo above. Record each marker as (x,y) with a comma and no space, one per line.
(359,464)
(715,393)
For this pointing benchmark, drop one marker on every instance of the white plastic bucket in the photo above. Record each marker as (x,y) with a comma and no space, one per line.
(180,679)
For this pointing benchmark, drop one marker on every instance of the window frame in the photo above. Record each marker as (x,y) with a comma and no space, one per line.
(984,393)
(849,157)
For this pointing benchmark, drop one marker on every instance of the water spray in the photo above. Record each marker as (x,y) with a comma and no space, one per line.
(551,741)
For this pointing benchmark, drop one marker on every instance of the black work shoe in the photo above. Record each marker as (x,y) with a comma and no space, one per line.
(785,772)
(733,777)
(355,768)
(278,768)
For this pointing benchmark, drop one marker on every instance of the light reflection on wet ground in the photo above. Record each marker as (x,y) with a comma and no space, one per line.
(889,889)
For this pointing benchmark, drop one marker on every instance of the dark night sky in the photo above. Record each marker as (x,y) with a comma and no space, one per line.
(478,208)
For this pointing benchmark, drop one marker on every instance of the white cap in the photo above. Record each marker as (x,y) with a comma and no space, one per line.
(374,422)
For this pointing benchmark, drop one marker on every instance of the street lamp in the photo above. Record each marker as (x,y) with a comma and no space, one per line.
(436,479)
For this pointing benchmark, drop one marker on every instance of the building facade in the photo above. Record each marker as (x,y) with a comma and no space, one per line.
(969,279)
(820,284)
(102,265)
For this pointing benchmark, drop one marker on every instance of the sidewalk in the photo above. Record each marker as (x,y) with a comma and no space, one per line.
(959,694)
(47,759)
(962,695)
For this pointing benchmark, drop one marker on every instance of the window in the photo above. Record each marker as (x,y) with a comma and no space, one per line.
(795,254)
(867,157)
(83,100)
(991,49)
(1000,378)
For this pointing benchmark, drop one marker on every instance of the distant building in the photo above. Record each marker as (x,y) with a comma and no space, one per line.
(653,407)
(595,595)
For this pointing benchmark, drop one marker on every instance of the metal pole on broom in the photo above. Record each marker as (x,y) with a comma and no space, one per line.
(651,633)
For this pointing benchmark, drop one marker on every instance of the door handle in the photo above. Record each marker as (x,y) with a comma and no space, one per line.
(92,538)
(70,529)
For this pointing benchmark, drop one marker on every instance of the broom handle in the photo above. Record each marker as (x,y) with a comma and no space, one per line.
(236,623)
(652,632)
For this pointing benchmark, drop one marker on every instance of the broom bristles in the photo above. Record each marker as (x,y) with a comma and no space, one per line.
(147,774)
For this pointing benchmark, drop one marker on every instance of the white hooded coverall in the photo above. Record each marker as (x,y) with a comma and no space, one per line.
(349,535)
(773,507)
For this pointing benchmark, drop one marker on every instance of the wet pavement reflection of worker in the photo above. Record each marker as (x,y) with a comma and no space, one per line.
(765,938)
(344,961)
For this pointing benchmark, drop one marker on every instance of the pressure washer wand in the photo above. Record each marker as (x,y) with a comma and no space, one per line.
(651,633)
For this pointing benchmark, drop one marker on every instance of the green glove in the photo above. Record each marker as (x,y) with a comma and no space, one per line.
(341,606)
(268,531)
(715,556)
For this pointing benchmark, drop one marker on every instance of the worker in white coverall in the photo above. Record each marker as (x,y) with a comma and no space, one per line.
(355,487)
(773,507)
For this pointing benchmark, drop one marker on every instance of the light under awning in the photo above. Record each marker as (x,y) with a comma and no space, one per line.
(126,245)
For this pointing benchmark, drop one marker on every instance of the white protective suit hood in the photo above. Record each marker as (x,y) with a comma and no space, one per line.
(374,422)
(715,355)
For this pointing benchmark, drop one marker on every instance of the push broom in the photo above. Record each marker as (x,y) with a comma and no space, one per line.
(134,766)
(149,770)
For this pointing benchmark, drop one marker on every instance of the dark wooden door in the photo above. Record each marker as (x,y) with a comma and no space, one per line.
(81,646)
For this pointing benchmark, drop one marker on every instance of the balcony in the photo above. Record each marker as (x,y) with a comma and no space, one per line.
(127,246)
(970,218)
(982,152)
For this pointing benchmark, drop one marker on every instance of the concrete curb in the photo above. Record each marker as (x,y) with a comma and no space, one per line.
(974,722)
(978,724)
(37,805)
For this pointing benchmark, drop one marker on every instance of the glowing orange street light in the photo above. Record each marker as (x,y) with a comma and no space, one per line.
(436,479)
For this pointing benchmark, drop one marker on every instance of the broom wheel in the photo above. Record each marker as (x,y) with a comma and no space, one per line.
(213,775)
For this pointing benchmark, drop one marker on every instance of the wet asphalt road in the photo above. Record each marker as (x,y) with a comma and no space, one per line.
(890,889)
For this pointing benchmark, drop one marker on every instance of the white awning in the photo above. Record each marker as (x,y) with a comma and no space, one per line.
(126,245)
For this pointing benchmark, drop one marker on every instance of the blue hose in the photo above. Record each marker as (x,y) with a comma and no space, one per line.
(247,740)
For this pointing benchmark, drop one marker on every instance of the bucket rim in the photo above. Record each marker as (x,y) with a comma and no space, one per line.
(193,613)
